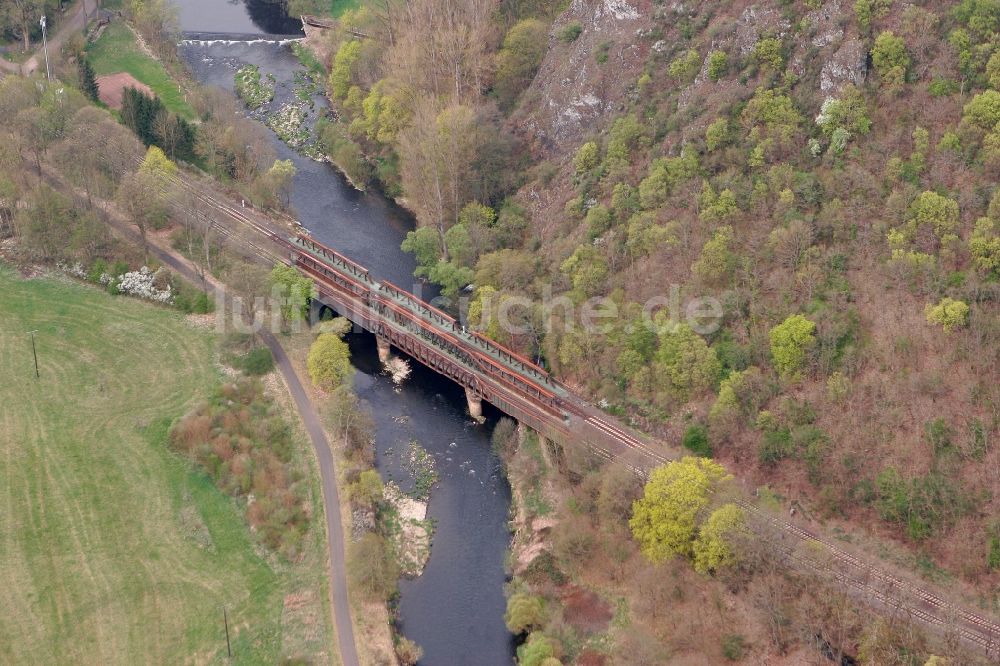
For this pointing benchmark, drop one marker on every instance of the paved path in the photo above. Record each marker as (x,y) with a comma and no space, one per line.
(331,495)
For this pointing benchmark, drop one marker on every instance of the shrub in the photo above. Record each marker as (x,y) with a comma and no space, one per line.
(993,70)
(838,387)
(776,444)
(717,261)
(685,364)
(538,650)
(258,361)
(941,87)
(890,58)
(838,140)
(717,134)
(367,492)
(601,52)
(849,112)
(329,362)
(586,158)
(983,110)
(251,89)
(695,440)
(767,53)
(733,645)
(343,68)
(718,63)
(408,652)
(791,341)
(685,66)
(984,246)
(951,314)
(519,59)
(919,504)
(372,567)
(712,207)
(599,220)
(868,10)
(715,547)
(570,32)
(524,613)
(246,447)
(950,141)
(993,558)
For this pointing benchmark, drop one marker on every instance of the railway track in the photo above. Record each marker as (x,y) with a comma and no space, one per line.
(499,366)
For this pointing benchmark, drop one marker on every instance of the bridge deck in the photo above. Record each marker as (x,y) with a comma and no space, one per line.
(440,321)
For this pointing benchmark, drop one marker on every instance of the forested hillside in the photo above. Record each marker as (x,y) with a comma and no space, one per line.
(826,170)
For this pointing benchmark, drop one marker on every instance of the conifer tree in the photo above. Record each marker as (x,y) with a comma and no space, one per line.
(88,81)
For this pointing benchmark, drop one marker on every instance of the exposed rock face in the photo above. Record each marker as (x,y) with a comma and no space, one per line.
(574,94)
(756,22)
(847,65)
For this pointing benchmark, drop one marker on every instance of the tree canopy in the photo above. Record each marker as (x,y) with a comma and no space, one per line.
(665,520)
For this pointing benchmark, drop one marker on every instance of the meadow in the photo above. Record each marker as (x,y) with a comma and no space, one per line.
(112,548)
(117,51)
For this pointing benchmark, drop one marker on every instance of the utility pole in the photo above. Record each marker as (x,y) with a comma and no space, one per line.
(45,48)
(34,353)
(225,619)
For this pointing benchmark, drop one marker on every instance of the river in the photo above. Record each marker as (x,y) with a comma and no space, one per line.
(454,611)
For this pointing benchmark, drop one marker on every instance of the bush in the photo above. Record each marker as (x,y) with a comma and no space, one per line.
(695,440)
(791,341)
(257,361)
(776,445)
(767,53)
(849,112)
(867,10)
(733,646)
(890,58)
(685,66)
(951,314)
(519,59)
(570,33)
(941,87)
(372,567)
(524,613)
(993,559)
(717,261)
(717,134)
(408,652)
(718,63)
(329,362)
(251,89)
(984,110)
(587,158)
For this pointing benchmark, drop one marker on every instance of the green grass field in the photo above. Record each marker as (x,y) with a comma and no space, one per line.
(113,549)
(116,51)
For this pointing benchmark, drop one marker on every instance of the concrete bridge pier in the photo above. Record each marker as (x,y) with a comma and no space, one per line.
(475,405)
(383,348)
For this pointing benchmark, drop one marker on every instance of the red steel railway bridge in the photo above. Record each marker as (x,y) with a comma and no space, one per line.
(487,370)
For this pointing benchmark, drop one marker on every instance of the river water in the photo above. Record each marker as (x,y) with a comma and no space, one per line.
(454,611)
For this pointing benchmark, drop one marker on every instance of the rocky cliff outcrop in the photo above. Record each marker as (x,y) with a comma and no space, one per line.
(582,84)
